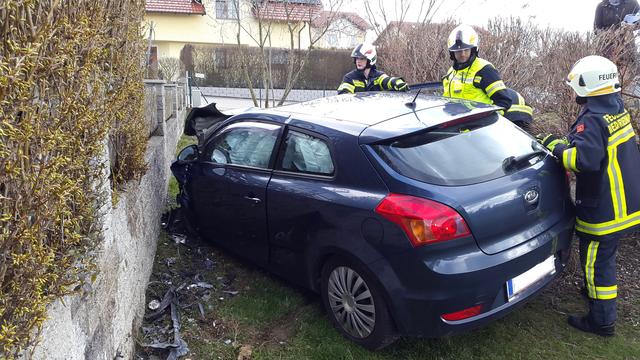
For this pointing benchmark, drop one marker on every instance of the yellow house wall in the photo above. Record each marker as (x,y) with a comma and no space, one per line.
(173,31)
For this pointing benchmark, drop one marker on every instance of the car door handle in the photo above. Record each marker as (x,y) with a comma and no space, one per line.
(254,199)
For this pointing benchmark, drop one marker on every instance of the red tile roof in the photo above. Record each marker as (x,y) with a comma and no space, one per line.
(325,16)
(175,6)
(287,11)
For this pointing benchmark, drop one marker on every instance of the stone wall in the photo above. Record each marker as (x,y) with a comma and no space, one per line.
(103,323)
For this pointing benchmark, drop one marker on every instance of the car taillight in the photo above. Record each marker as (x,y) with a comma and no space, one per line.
(463,314)
(424,221)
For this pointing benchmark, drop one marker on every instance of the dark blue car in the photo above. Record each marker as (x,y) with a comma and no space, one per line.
(420,217)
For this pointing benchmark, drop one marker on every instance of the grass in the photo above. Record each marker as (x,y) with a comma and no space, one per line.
(278,321)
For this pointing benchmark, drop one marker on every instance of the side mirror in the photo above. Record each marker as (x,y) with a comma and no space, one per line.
(188,154)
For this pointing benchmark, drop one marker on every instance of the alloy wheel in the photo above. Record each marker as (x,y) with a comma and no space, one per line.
(351,302)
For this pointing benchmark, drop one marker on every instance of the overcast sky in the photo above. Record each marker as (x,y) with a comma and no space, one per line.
(573,15)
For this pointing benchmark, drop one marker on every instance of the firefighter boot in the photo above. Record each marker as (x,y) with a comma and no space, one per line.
(584,323)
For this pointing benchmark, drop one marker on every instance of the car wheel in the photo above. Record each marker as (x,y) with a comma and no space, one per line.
(355,305)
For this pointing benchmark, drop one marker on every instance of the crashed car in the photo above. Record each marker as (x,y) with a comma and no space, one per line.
(410,215)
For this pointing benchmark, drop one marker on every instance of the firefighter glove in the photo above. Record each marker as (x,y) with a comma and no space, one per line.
(550,141)
(400,85)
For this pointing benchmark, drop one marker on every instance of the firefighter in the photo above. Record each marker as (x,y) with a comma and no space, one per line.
(602,151)
(471,77)
(366,77)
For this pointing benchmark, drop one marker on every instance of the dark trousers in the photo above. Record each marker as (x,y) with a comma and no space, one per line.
(598,259)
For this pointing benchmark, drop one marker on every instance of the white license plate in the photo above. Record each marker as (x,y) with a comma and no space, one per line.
(529,277)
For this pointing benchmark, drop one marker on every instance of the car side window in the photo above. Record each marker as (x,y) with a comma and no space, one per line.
(306,154)
(245,143)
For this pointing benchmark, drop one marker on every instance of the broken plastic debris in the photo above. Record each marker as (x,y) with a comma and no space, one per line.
(154,304)
(201,308)
(227,342)
(245,352)
(200,284)
(234,293)
(179,238)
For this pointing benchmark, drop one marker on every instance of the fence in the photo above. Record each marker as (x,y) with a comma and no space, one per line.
(163,101)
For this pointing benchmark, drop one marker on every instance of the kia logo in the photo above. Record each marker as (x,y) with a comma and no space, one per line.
(531,197)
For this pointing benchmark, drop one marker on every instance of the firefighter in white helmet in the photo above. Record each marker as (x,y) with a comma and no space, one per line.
(601,150)
(474,78)
(366,77)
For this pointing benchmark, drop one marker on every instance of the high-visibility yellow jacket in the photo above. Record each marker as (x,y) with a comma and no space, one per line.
(479,81)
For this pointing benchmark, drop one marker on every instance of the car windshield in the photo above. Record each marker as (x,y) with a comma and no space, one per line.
(463,154)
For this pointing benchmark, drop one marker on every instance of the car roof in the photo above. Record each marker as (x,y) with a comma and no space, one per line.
(382,114)
(367,108)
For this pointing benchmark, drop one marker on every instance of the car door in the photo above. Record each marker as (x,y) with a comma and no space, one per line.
(229,196)
(301,194)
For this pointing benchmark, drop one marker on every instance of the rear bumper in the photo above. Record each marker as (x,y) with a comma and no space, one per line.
(424,284)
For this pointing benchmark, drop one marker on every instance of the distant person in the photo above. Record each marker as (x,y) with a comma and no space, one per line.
(366,77)
(474,78)
(611,13)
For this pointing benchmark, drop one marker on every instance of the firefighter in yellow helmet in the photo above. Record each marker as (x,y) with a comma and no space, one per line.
(366,77)
(602,151)
(474,78)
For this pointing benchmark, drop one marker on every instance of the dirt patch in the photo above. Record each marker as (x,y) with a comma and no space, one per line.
(281,330)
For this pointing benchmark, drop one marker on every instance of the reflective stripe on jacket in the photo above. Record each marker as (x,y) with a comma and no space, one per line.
(355,81)
(603,153)
(519,112)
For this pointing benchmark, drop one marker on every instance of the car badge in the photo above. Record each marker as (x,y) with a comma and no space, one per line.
(531,197)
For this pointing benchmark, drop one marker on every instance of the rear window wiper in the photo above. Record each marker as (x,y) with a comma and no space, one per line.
(513,162)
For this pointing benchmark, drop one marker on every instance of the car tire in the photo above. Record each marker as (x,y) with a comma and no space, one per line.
(355,304)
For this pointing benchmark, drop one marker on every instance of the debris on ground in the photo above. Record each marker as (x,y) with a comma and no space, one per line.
(245,352)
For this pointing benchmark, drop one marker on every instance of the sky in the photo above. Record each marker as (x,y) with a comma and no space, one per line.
(572,15)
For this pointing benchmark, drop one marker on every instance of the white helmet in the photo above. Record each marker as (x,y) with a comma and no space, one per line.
(594,76)
(462,37)
(366,51)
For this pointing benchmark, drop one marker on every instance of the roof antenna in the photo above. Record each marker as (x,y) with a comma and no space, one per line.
(412,105)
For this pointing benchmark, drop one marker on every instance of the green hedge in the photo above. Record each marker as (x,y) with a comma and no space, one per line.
(70,77)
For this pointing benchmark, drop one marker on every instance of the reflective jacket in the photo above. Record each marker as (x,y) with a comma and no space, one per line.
(603,153)
(355,81)
(519,113)
(479,81)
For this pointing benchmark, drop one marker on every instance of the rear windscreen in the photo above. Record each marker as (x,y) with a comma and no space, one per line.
(463,154)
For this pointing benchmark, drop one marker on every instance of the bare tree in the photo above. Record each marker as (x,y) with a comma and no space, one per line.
(170,67)
(298,56)
(381,15)
(256,20)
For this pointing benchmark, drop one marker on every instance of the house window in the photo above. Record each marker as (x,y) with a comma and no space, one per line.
(332,40)
(353,40)
(226,9)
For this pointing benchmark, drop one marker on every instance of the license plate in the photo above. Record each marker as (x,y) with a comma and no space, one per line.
(529,277)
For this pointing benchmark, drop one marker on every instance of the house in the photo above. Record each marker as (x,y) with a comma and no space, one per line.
(175,23)
(345,30)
